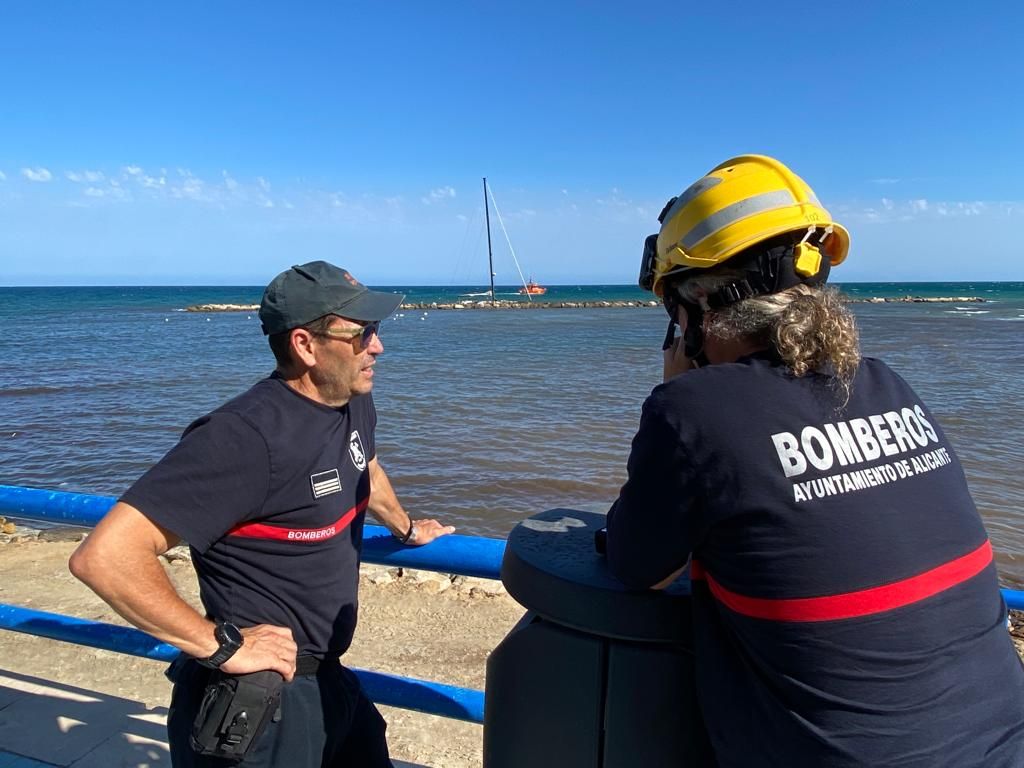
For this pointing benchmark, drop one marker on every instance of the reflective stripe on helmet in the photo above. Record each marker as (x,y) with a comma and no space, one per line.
(766,201)
(701,185)
(737,205)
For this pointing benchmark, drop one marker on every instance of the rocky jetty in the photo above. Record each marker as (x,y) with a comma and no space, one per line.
(456,305)
(223,308)
(528,304)
(503,304)
(920,300)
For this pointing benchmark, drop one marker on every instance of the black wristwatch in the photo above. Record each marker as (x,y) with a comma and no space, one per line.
(230,638)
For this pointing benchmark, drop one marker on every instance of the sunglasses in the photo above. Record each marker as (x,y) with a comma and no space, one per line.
(365,334)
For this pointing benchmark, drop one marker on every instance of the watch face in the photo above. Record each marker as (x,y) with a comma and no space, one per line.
(228,633)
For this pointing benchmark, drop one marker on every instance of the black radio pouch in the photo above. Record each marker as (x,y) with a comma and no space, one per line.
(234,711)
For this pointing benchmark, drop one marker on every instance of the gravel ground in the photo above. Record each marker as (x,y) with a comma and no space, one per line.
(411,623)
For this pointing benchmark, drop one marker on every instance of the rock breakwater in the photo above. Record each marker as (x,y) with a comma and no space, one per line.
(920,300)
(456,305)
(502,304)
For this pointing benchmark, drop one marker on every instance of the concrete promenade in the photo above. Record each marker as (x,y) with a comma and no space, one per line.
(44,724)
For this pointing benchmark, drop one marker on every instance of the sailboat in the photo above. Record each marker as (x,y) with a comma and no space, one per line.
(530,288)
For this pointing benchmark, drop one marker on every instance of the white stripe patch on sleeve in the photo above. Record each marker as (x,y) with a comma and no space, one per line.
(325,483)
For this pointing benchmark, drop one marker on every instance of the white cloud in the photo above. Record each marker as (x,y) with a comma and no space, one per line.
(180,184)
(36,174)
(143,179)
(356,210)
(112,192)
(92,177)
(972,209)
(620,208)
(193,188)
(436,195)
(921,208)
(3,176)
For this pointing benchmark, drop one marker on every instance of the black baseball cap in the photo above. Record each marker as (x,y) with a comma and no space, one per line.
(307,291)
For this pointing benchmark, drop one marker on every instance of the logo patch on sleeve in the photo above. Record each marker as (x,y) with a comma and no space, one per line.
(355,450)
(325,483)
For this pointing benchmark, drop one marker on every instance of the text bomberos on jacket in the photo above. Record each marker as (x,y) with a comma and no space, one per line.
(857,442)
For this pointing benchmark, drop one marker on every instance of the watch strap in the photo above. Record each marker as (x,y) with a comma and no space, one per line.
(230,639)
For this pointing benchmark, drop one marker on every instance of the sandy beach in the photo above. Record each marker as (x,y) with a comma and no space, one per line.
(412,623)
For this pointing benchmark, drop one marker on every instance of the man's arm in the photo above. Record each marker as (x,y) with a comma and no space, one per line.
(384,505)
(120,562)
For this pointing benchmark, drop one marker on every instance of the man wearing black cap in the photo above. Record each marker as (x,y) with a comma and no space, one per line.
(270,491)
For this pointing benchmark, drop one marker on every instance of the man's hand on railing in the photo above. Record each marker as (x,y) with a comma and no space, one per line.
(425,531)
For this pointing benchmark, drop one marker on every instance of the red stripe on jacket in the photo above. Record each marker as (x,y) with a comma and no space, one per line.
(264,531)
(861,602)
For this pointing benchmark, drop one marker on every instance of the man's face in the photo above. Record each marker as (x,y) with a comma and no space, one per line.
(344,362)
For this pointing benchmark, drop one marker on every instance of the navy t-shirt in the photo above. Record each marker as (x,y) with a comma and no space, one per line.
(270,491)
(846,605)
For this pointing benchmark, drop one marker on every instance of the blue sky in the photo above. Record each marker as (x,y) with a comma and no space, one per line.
(218,143)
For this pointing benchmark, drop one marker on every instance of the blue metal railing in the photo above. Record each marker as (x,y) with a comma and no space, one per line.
(392,690)
(466,555)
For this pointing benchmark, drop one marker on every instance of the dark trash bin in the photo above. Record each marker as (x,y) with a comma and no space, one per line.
(594,675)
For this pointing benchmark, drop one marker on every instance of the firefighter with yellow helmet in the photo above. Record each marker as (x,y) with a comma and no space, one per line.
(846,602)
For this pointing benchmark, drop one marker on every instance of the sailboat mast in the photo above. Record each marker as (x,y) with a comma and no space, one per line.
(490,255)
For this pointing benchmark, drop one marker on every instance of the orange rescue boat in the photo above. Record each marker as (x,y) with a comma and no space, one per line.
(533,289)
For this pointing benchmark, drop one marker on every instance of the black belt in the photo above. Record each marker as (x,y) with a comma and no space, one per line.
(306,666)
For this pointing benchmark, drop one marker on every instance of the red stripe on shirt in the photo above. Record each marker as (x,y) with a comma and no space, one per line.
(862,602)
(264,531)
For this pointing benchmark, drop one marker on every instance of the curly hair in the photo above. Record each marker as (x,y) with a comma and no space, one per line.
(810,328)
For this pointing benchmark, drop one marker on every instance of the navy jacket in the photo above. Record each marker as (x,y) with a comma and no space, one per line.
(846,604)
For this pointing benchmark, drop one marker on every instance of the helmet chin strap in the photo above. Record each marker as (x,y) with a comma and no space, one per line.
(774,270)
(770,271)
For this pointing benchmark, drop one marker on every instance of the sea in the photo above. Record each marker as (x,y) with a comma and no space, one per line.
(485,416)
